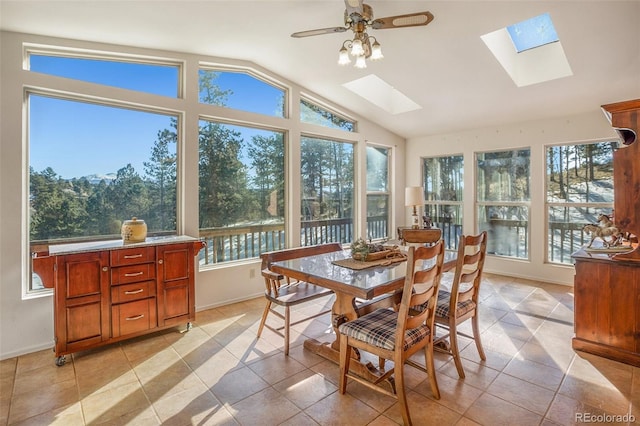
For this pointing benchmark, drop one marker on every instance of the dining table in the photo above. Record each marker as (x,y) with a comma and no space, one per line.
(358,289)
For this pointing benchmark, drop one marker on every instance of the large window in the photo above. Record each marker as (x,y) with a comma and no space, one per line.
(241,91)
(327,191)
(98,158)
(579,188)
(313,113)
(91,166)
(502,200)
(443,185)
(241,195)
(377,193)
(155,78)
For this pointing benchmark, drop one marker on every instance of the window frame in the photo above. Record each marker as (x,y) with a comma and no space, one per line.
(113,103)
(354,201)
(103,55)
(322,105)
(285,136)
(188,110)
(386,193)
(451,242)
(522,204)
(266,79)
(548,205)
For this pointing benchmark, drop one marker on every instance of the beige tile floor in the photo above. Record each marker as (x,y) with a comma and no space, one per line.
(219,373)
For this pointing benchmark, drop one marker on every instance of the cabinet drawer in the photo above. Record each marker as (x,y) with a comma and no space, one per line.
(132,256)
(133,317)
(133,273)
(130,292)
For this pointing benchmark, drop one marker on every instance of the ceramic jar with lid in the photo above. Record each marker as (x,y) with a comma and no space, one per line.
(134,231)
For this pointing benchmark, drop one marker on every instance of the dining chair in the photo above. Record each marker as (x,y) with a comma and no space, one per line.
(420,235)
(398,334)
(286,292)
(461,302)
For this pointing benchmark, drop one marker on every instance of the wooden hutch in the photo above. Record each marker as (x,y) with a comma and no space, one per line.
(607,285)
(108,291)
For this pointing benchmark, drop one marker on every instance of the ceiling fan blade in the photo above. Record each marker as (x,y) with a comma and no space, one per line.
(319,31)
(353,6)
(401,21)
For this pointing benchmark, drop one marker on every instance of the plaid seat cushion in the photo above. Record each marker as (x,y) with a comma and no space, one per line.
(444,299)
(378,328)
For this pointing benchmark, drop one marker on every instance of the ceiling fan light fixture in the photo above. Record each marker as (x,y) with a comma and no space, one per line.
(358,17)
(343,58)
(360,62)
(356,48)
(376,51)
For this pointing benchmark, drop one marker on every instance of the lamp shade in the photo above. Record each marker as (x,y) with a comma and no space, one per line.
(413,196)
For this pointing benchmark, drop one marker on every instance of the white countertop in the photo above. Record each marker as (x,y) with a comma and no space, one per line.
(117,244)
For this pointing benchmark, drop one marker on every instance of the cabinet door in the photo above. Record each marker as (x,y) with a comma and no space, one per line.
(607,305)
(81,301)
(176,290)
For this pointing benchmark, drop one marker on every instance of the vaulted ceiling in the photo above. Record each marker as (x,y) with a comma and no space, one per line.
(445,67)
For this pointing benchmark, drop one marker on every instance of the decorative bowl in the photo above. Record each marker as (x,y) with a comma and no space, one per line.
(372,256)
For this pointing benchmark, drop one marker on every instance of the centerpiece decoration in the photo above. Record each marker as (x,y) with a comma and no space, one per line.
(368,252)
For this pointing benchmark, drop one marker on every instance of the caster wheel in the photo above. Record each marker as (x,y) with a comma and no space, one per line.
(189,326)
(61,360)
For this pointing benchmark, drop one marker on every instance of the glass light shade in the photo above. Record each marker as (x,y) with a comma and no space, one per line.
(356,48)
(360,62)
(343,58)
(376,51)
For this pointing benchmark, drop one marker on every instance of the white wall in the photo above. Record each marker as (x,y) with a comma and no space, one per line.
(535,135)
(26,324)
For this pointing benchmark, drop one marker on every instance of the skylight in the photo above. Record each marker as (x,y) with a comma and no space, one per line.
(382,94)
(533,32)
(538,55)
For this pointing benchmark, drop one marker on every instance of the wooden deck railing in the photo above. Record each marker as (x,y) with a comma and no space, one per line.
(245,242)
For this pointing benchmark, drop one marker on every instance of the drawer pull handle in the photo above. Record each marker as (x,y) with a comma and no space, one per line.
(134,274)
(132,256)
(134,291)
(137,317)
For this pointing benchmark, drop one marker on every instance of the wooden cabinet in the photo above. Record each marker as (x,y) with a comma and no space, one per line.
(607,307)
(607,286)
(108,292)
(176,292)
(82,301)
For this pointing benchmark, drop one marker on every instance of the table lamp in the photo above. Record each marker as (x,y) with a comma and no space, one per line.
(414,197)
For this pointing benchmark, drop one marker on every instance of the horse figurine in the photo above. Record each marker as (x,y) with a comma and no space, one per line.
(604,221)
(614,234)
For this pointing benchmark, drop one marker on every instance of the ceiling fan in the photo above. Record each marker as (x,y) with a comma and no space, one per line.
(358,17)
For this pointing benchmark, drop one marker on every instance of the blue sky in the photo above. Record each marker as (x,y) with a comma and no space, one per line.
(78,139)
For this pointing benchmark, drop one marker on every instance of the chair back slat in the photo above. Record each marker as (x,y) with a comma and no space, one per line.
(294,253)
(467,277)
(470,259)
(407,317)
(472,251)
(420,236)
